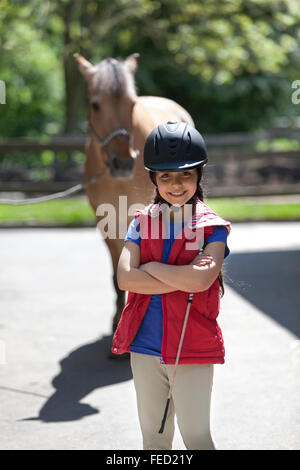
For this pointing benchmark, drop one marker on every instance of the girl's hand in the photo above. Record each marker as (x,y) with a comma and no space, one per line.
(202,260)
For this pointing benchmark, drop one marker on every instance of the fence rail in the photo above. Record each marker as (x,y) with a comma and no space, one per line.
(77,142)
(234,168)
(57,144)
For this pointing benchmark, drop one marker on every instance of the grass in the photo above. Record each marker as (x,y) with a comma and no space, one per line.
(72,211)
(239,209)
(77,211)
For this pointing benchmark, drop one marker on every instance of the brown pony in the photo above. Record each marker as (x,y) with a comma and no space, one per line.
(119,123)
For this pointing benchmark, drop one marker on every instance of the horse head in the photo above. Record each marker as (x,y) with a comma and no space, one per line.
(112,96)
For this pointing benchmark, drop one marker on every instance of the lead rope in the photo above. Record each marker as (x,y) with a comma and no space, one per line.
(102,143)
(67,192)
(190,299)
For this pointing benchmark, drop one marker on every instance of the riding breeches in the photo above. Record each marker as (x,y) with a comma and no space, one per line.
(190,401)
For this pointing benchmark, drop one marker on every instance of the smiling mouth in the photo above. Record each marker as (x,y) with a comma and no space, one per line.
(177,194)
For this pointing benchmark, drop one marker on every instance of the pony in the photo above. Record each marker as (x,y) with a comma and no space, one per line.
(119,123)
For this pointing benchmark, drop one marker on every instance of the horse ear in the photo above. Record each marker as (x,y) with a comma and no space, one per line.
(132,62)
(85,67)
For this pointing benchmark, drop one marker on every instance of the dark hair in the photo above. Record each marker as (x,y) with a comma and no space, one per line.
(198,194)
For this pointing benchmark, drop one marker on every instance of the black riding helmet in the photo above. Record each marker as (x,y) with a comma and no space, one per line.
(174,146)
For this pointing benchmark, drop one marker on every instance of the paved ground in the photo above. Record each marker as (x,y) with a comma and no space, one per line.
(58,389)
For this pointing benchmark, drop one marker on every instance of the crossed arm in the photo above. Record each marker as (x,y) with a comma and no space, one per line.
(160,278)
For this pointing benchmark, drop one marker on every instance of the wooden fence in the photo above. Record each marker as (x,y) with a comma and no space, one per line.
(234,168)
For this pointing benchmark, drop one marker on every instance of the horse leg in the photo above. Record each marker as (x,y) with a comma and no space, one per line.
(115,248)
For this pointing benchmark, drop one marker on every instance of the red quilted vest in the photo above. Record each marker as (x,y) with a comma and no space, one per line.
(203,342)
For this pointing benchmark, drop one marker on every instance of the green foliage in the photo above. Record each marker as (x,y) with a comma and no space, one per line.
(278,145)
(32,73)
(229,62)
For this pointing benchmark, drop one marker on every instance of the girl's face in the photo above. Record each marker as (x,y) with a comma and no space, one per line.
(177,187)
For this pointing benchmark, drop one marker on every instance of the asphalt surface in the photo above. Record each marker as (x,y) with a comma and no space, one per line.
(59,389)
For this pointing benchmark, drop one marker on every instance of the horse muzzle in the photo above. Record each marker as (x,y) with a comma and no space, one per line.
(120,167)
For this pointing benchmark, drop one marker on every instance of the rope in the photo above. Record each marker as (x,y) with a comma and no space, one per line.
(67,192)
(73,189)
(190,300)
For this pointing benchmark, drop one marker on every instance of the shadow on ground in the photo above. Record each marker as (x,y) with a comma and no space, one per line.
(82,371)
(271,282)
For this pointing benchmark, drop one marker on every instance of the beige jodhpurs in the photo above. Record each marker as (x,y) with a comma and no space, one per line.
(190,402)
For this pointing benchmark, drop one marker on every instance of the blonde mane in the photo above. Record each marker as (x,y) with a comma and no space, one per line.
(114,78)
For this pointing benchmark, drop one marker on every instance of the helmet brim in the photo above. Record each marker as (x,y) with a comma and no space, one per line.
(176,166)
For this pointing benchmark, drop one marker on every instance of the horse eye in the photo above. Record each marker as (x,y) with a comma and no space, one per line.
(96,106)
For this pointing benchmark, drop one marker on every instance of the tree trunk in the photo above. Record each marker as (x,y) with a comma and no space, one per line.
(74,82)
(75,93)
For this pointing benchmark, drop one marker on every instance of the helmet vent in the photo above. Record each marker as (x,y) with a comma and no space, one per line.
(189,142)
(156,145)
(172,144)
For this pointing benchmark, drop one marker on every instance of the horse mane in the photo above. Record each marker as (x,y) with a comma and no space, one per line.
(114,78)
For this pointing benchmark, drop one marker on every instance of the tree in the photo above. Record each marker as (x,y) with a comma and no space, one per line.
(211,56)
(32,72)
(223,45)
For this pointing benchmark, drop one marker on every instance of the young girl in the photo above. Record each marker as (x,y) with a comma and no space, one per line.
(159,266)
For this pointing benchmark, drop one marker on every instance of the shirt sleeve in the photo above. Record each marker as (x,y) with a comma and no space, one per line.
(219,234)
(133,234)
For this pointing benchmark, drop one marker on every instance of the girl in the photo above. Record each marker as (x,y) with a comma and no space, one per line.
(159,266)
